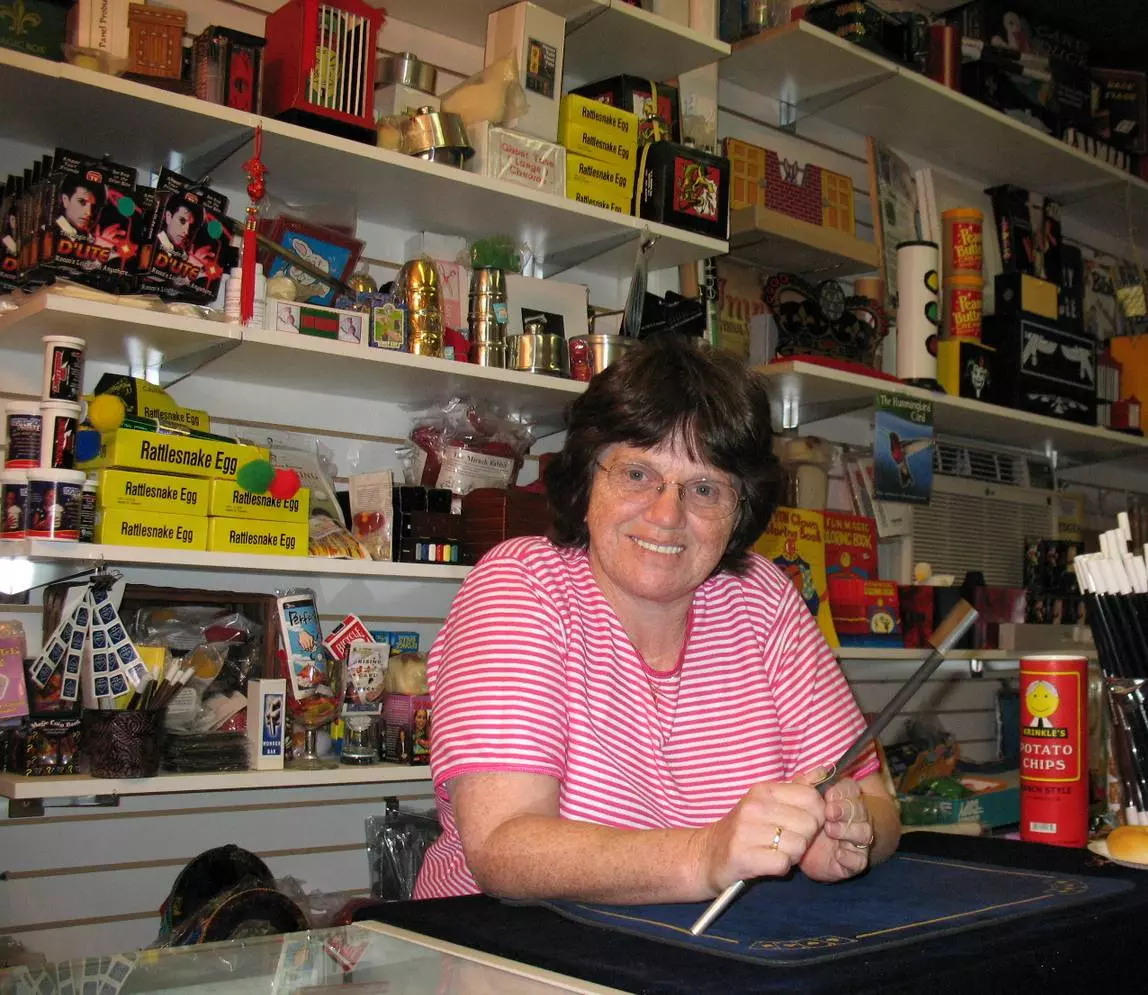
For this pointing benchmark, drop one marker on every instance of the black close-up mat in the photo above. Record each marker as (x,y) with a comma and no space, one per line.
(797,921)
(1063,948)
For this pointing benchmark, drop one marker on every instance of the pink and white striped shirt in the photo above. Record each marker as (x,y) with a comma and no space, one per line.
(533,672)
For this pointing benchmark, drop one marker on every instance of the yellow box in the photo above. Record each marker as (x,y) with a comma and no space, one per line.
(242,535)
(121,527)
(229,500)
(603,184)
(129,448)
(592,128)
(162,492)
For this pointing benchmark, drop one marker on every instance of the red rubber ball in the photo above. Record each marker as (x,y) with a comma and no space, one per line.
(284,485)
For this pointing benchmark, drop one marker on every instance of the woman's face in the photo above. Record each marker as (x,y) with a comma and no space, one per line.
(653,552)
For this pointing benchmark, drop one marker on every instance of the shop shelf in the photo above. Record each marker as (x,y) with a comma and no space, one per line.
(137,339)
(19,788)
(604,37)
(806,392)
(84,555)
(139,124)
(774,241)
(821,75)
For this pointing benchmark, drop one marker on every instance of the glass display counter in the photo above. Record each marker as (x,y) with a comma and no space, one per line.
(363,959)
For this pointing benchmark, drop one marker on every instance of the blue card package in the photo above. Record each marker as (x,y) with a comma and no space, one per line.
(303,644)
(399,641)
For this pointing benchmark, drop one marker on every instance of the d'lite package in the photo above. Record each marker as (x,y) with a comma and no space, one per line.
(189,237)
(86,222)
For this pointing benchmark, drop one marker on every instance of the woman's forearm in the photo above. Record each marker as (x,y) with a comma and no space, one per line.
(541,856)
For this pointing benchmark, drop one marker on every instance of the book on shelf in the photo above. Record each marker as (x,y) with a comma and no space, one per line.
(795,541)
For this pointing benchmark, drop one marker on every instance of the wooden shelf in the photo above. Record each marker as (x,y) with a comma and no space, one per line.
(19,788)
(603,37)
(86,554)
(806,392)
(775,241)
(120,334)
(825,76)
(46,102)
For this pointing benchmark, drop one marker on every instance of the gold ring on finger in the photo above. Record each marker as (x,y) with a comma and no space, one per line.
(776,841)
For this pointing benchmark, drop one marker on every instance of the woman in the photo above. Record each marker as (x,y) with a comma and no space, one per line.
(637,710)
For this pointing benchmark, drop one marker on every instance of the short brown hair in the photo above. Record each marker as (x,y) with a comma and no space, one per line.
(663,387)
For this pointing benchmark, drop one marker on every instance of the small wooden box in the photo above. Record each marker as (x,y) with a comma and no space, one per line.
(491,515)
(156,40)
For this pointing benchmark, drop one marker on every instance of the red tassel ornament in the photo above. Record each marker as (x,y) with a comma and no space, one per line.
(256,188)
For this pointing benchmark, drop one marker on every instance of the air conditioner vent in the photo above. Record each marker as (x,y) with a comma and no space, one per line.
(972,526)
(980,463)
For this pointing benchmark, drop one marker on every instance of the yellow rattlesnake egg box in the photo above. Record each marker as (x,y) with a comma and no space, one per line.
(243,535)
(129,448)
(162,492)
(591,181)
(128,527)
(795,541)
(229,500)
(591,128)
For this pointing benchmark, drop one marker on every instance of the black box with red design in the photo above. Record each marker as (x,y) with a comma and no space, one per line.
(656,104)
(86,229)
(189,241)
(685,187)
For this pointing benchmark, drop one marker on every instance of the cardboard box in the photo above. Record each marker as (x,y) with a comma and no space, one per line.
(995,802)
(266,723)
(228,500)
(656,105)
(682,186)
(966,368)
(314,319)
(517,158)
(100,26)
(151,401)
(242,535)
(591,181)
(537,39)
(120,527)
(36,27)
(132,449)
(598,131)
(161,492)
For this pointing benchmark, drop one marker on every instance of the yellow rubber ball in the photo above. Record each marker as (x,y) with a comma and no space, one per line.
(106,412)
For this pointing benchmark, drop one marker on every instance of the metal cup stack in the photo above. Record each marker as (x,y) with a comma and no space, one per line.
(487,316)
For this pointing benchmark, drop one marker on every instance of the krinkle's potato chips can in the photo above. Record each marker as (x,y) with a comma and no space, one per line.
(1054,749)
(963,233)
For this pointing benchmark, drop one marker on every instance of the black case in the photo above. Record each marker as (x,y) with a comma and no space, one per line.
(682,186)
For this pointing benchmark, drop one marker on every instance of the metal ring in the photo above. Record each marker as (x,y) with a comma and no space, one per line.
(776,842)
(868,843)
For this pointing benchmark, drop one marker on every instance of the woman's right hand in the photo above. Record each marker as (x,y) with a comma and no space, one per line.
(741,845)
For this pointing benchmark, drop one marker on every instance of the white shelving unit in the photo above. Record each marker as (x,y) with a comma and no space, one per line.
(19,788)
(144,124)
(806,392)
(603,37)
(825,76)
(118,333)
(84,555)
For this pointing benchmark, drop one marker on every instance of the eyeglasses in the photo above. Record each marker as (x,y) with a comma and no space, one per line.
(703,498)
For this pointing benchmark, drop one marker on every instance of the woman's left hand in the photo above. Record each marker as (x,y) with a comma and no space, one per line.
(841,849)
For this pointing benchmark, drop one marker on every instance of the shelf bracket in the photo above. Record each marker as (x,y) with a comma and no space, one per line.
(174,371)
(33,808)
(559,262)
(813,106)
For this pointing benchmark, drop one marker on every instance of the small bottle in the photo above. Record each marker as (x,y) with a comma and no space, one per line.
(235,292)
(88,510)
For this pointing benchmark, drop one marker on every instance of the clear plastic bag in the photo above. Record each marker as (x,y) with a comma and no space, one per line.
(493,95)
(396,843)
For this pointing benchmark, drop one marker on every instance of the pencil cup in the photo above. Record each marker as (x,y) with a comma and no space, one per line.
(123,743)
